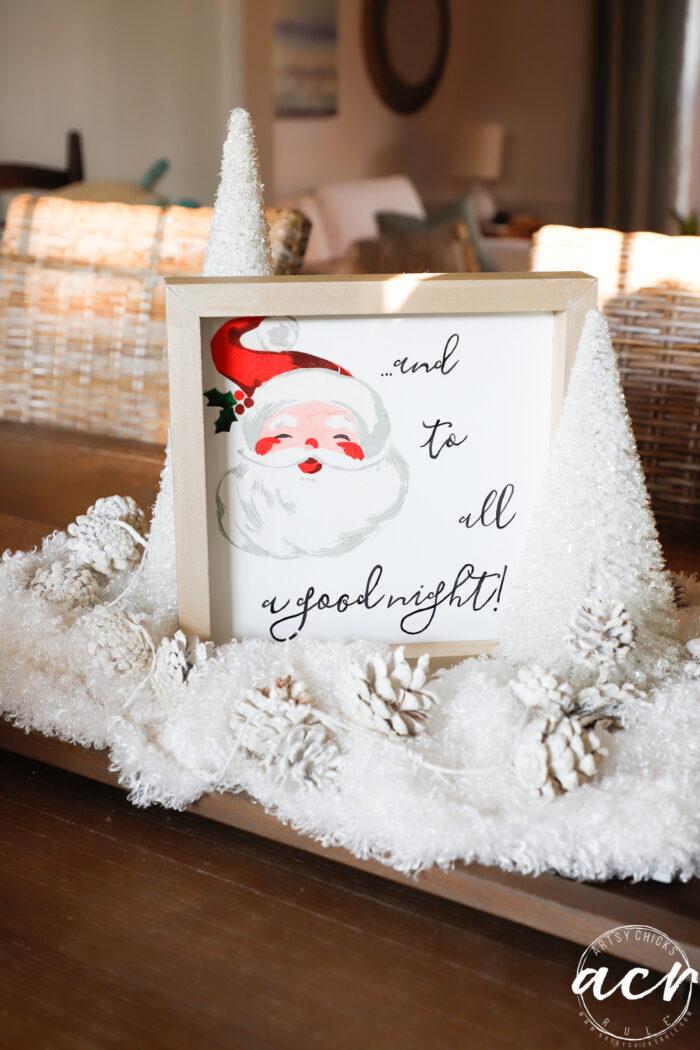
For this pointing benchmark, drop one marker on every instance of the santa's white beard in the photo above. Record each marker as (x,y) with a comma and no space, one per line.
(282,512)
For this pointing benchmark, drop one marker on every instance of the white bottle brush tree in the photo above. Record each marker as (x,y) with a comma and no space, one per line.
(593,536)
(238,246)
(591,613)
(239,242)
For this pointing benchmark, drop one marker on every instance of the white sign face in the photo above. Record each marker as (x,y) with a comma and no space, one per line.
(371,477)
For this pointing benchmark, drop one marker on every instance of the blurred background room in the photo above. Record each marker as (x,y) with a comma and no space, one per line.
(394,136)
(582,112)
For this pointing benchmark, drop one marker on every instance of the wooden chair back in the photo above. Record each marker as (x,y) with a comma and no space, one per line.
(17,176)
(649,289)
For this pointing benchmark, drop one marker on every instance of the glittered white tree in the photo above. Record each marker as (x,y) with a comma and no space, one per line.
(239,243)
(239,246)
(593,533)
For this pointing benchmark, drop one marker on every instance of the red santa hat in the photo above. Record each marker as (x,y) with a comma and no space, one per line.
(270,380)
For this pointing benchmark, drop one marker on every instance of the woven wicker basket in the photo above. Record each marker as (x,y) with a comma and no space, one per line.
(82,308)
(649,289)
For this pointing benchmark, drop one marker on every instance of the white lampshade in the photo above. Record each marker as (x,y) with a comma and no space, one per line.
(479,151)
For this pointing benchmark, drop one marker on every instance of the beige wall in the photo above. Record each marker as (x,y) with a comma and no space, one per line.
(364,139)
(528,66)
(521,63)
(140,78)
(149,78)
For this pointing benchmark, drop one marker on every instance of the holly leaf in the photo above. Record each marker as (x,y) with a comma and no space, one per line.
(224,402)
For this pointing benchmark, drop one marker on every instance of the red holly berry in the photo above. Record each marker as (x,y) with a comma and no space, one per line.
(239,395)
(239,410)
(249,402)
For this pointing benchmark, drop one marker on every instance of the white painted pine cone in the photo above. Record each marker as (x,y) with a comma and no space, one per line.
(556,753)
(74,586)
(536,688)
(681,598)
(390,697)
(607,702)
(121,508)
(197,652)
(692,667)
(175,658)
(693,647)
(170,666)
(305,753)
(601,633)
(278,727)
(263,714)
(104,543)
(119,642)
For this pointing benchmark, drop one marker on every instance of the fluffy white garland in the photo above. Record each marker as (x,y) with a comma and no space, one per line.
(638,819)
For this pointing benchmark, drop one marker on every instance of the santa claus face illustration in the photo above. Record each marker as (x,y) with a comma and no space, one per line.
(309,427)
(316,472)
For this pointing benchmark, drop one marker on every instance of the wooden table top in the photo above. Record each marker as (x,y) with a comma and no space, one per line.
(146,928)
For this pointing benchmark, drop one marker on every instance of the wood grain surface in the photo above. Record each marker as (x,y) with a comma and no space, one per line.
(146,928)
(139,928)
(47,476)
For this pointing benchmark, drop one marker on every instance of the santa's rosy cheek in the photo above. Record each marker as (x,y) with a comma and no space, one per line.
(265,444)
(351,449)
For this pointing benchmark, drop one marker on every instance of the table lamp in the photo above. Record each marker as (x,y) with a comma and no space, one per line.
(478,157)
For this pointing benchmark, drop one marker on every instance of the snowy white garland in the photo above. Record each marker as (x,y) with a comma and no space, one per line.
(280,737)
(560,745)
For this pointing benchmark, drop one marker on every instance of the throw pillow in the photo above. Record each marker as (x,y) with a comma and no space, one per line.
(434,249)
(460,210)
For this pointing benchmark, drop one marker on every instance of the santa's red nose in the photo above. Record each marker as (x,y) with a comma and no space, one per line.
(312,442)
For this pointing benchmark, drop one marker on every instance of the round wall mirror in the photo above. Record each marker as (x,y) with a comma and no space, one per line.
(406,45)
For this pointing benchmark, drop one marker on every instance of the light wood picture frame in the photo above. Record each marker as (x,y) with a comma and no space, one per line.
(196,307)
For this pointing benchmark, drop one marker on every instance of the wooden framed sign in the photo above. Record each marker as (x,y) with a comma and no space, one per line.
(359,457)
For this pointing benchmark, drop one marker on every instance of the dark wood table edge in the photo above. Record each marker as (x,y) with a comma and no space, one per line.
(575,911)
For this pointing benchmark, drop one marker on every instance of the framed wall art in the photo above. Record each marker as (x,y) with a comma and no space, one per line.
(305,58)
(361,456)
